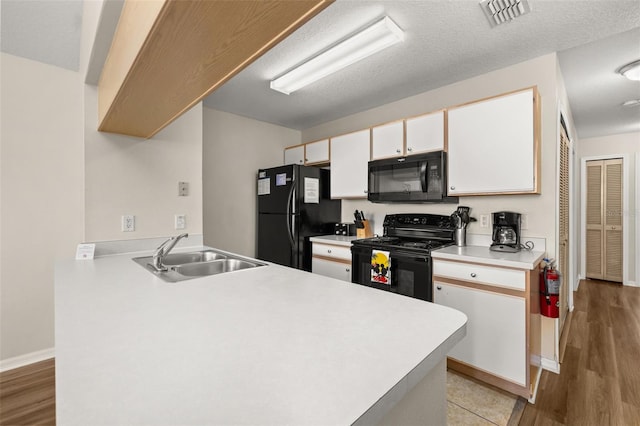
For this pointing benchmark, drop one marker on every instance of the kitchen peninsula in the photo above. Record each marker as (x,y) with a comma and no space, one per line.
(268,345)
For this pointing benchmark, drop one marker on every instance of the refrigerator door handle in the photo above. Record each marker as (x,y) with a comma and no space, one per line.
(290,222)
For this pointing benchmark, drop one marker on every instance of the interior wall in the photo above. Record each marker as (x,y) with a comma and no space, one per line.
(42,196)
(131,176)
(626,143)
(541,210)
(234,148)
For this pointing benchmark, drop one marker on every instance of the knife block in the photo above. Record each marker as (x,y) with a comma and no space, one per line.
(365,231)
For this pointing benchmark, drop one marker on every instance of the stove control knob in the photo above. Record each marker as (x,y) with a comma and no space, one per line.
(424,221)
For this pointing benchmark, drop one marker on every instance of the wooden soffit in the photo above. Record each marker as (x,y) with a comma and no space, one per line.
(167,55)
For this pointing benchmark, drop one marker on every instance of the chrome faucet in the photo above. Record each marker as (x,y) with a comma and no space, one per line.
(163,250)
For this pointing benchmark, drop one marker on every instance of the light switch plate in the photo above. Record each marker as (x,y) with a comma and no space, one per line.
(484,221)
(180,221)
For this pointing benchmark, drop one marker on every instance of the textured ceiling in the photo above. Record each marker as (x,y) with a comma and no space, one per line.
(446,41)
(43,30)
(597,90)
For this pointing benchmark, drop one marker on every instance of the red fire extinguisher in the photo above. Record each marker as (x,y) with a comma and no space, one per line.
(550,290)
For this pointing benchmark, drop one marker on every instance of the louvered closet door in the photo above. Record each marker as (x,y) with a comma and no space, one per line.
(594,219)
(563,255)
(613,220)
(604,220)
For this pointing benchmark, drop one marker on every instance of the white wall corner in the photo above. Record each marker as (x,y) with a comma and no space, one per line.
(26,359)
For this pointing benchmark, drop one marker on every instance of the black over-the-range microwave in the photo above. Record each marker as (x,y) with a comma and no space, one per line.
(420,178)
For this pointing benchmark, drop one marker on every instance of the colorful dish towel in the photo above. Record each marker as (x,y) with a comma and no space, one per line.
(380,267)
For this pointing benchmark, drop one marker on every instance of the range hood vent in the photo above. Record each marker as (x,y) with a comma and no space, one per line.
(501,11)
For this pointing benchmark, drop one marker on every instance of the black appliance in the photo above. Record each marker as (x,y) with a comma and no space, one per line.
(294,204)
(417,178)
(346,229)
(506,232)
(408,239)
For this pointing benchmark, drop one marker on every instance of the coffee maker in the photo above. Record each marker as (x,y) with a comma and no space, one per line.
(506,232)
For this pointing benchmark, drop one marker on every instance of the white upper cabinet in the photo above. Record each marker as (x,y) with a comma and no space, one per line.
(311,153)
(350,155)
(494,146)
(425,133)
(317,152)
(387,140)
(294,155)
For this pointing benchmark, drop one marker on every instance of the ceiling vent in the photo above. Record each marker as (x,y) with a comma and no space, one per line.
(501,11)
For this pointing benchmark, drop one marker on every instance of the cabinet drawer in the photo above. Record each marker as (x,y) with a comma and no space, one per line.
(502,277)
(330,268)
(336,252)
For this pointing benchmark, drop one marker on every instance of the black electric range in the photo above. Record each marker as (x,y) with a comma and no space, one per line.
(400,260)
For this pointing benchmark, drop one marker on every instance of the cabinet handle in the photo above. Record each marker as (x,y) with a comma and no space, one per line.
(452,188)
(438,287)
(366,191)
(348,270)
(329,251)
(409,149)
(473,275)
(397,151)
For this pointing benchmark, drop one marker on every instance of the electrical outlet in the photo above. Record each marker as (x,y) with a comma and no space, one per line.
(128,223)
(524,221)
(484,221)
(183,189)
(180,221)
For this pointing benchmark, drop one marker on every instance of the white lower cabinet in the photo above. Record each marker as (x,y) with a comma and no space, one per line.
(331,261)
(496,330)
(502,345)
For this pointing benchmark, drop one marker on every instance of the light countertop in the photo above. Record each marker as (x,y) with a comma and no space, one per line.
(269,345)
(523,259)
(339,240)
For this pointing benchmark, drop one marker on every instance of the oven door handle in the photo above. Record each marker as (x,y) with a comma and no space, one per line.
(410,257)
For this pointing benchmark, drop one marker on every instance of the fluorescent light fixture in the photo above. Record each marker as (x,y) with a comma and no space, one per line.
(379,36)
(501,11)
(632,103)
(631,71)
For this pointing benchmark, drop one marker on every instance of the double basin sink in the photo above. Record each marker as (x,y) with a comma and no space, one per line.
(195,264)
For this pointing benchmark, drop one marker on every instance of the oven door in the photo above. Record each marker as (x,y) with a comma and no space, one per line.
(410,272)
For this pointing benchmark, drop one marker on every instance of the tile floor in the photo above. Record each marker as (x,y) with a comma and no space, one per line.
(470,403)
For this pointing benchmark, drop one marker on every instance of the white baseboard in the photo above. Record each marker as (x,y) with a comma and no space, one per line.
(550,365)
(632,283)
(26,359)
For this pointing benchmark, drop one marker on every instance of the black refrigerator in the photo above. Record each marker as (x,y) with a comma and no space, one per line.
(294,203)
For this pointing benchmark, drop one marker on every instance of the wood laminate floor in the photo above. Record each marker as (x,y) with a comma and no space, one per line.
(599,380)
(28,395)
